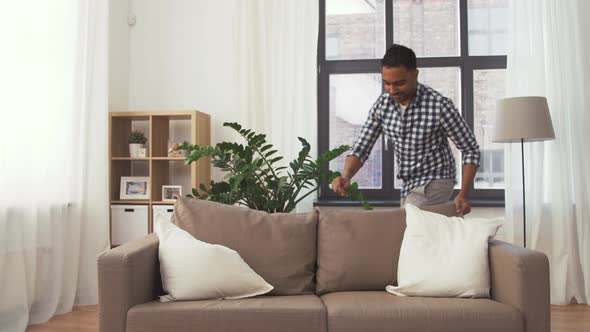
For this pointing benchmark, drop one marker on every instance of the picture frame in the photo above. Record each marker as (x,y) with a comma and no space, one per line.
(169,191)
(135,187)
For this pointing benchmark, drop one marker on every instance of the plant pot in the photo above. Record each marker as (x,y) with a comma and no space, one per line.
(134,149)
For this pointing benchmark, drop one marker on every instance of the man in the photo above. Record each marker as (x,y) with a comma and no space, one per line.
(418,120)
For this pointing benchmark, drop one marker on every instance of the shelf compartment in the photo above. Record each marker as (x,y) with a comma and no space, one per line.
(169,172)
(121,127)
(120,168)
(170,129)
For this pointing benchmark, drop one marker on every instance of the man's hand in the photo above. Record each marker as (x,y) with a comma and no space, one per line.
(462,205)
(340,185)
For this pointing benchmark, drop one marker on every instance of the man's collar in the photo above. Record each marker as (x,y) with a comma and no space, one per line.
(416,100)
(419,93)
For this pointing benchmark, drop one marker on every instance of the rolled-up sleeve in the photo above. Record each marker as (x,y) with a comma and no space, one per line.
(457,130)
(369,133)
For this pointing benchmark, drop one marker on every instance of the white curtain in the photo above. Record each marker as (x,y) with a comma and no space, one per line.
(53,157)
(548,55)
(277,73)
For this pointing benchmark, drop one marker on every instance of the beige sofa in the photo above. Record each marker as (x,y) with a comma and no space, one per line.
(329,269)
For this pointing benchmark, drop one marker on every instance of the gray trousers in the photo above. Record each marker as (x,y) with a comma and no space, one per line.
(432,193)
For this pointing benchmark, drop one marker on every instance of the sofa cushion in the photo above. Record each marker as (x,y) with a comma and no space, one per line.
(358,250)
(380,311)
(280,247)
(259,314)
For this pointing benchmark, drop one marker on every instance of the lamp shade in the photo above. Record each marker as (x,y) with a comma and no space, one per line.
(522,118)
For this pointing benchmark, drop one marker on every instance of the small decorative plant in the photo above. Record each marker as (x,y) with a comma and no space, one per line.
(174,149)
(253,179)
(136,137)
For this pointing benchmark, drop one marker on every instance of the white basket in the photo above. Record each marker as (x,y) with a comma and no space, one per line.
(165,211)
(129,222)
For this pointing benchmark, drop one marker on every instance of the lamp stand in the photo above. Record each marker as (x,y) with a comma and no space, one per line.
(523,195)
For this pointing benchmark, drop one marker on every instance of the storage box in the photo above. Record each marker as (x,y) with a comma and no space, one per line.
(129,222)
(162,210)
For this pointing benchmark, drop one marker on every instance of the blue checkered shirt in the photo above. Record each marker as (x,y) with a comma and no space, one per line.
(419,135)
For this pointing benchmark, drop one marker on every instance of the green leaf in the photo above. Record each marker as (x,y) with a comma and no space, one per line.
(233,125)
(270,153)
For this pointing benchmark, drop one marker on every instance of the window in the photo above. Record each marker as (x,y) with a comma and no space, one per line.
(348,93)
(487,85)
(460,45)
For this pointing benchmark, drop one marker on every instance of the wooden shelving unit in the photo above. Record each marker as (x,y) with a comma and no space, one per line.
(159,127)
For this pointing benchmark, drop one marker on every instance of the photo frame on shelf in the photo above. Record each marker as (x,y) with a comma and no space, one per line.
(170,192)
(135,187)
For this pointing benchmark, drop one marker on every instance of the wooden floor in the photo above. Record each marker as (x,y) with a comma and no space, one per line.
(571,318)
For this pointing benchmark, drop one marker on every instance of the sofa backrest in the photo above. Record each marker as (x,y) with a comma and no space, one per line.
(358,250)
(280,247)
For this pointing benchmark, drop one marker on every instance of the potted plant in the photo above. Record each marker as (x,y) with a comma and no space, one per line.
(136,141)
(174,149)
(255,180)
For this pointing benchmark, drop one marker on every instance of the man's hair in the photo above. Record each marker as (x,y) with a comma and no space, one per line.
(399,55)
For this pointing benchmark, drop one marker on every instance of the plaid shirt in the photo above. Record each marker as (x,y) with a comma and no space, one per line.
(419,136)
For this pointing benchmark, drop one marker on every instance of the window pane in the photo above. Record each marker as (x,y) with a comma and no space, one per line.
(488,26)
(445,80)
(351,97)
(488,86)
(355,29)
(429,27)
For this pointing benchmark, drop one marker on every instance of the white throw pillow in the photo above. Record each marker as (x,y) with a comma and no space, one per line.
(444,256)
(196,270)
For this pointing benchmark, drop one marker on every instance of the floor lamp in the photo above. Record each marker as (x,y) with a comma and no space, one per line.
(522,119)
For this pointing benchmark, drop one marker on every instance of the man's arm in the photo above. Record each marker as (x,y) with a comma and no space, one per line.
(461,201)
(351,167)
(457,130)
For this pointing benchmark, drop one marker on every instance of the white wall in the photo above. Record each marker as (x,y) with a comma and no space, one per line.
(118,56)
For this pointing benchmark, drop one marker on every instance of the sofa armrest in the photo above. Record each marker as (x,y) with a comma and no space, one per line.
(520,277)
(127,275)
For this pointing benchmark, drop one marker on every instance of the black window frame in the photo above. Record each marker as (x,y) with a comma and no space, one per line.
(388,195)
